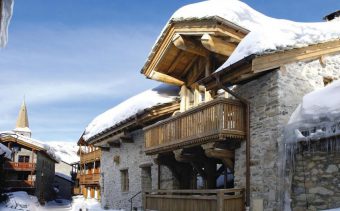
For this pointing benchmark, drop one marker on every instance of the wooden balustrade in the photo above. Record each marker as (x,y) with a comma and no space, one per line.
(92,178)
(215,120)
(20,183)
(19,166)
(90,156)
(194,200)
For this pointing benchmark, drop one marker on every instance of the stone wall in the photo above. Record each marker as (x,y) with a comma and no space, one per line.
(316,181)
(274,97)
(131,156)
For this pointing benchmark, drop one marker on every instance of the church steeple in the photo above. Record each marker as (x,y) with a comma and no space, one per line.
(22,125)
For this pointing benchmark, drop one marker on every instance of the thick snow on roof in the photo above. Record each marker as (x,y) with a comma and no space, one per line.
(66,177)
(4,150)
(319,113)
(127,109)
(66,151)
(266,34)
(48,149)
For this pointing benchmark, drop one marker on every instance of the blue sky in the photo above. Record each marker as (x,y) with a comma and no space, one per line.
(74,59)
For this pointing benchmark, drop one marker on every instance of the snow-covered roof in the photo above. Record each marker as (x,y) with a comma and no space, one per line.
(266,34)
(48,149)
(66,151)
(319,114)
(159,95)
(4,150)
(66,177)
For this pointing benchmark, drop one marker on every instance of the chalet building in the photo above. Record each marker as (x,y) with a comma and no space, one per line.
(88,175)
(126,171)
(31,167)
(63,181)
(266,66)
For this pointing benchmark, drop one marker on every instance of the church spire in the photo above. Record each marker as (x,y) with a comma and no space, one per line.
(22,125)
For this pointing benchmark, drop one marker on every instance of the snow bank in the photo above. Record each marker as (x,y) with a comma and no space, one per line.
(318,116)
(66,151)
(87,204)
(266,34)
(4,150)
(6,15)
(127,109)
(20,201)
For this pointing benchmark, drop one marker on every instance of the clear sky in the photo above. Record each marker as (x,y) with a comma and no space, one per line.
(74,59)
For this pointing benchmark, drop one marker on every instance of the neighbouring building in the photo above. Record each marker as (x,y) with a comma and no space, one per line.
(126,172)
(32,163)
(88,175)
(266,66)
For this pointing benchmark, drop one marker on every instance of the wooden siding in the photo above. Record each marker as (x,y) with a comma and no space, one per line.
(20,183)
(90,156)
(194,200)
(89,178)
(19,166)
(215,120)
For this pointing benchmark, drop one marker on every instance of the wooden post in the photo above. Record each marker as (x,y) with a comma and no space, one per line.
(220,200)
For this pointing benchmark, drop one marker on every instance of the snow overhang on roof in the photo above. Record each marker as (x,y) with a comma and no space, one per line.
(163,95)
(317,117)
(267,35)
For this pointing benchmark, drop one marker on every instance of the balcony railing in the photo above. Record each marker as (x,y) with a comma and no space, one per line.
(19,184)
(90,156)
(215,120)
(194,200)
(89,178)
(19,166)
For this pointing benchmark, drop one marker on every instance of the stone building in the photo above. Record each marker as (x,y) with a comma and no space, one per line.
(125,169)
(267,66)
(32,163)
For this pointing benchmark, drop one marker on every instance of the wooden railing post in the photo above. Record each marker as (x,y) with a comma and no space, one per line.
(220,200)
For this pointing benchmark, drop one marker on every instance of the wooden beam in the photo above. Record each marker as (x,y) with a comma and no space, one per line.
(217,45)
(165,78)
(187,44)
(196,72)
(275,60)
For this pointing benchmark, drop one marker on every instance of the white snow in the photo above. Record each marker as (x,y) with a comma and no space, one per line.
(6,15)
(132,106)
(4,150)
(66,151)
(22,201)
(266,34)
(319,110)
(24,129)
(49,150)
(67,177)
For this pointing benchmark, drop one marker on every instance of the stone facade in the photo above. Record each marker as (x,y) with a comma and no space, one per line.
(142,171)
(273,97)
(316,180)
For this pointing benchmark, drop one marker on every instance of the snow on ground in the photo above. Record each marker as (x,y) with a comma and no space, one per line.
(130,107)
(319,113)
(66,151)
(22,201)
(5,150)
(266,34)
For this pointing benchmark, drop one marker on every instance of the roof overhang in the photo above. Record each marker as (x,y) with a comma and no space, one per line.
(253,66)
(182,43)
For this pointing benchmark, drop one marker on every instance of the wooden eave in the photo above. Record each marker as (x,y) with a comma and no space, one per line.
(146,117)
(169,64)
(252,66)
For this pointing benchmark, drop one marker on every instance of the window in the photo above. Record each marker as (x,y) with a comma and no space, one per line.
(124,180)
(146,178)
(24,159)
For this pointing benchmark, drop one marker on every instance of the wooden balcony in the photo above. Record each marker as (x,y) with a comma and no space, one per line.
(194,200)
(215,120)
(91,178)
(19,166)
(16,184)
(90,156)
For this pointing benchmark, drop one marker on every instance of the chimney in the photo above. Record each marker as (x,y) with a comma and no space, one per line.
(335,16)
